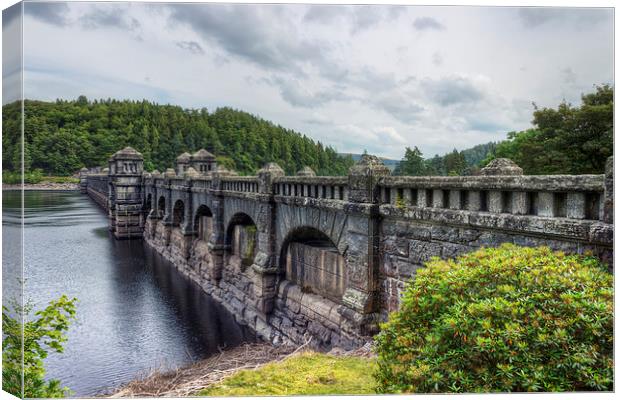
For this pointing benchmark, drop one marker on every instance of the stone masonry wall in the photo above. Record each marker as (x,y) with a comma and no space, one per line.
(375,231)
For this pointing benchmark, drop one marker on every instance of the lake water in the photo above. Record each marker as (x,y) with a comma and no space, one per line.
(135,312)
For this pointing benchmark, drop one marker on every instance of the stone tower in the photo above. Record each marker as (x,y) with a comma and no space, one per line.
(125,194)
(203,162)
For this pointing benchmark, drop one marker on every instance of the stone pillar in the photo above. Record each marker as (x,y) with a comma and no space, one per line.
(187,228)
(125,196)
(83,180)
(519,205)
(266,260)
(474,200)
(360,301)
(217,244)
(608,202)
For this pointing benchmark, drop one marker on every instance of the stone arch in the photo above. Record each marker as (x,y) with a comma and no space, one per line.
(178,213)
(161,206)
(203,222)
(311,259)
(257,211)
(241,240)
(332,224)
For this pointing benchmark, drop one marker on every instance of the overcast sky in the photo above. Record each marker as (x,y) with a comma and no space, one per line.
(355,77)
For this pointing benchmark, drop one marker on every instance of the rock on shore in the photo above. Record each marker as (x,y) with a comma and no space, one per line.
(43,186)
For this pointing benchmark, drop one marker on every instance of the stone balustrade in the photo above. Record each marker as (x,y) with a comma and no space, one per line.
(318,187)
(554,196)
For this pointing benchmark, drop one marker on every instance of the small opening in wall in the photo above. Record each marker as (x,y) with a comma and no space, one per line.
(593,203)
(414,197)
(559,204)
(463,200)
(387,198)
(484,200)
(400,194)
(445,201)
(506,206)
(532,203)
(429,197)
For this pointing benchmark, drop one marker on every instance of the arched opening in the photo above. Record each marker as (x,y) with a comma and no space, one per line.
(203,223)
(311,260)
(242,239)
(178,213)
(161,207)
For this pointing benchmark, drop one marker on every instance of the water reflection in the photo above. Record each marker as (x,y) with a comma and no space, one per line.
(135,311)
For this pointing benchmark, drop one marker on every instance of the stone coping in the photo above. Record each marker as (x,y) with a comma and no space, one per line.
(592,183)
(313,180)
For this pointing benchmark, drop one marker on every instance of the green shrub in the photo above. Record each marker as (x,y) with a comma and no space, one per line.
(501,320)
(26,345)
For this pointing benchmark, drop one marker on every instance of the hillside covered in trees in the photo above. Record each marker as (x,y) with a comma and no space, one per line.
(566,140)
(63,136)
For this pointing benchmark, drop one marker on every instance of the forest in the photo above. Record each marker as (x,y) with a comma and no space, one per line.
(567,140)
(63,136)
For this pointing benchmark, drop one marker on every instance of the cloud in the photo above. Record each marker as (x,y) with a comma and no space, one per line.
(569,75)
(299,95)
(400,106)
(114,17)
(360,17)
(533,17)
(51,13)
(323,14)
(191,46)
(452,90)
(268,38)
(392,134)
(437,59)
(427,23)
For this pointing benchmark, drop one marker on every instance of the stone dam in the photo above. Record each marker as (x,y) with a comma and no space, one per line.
(325,258)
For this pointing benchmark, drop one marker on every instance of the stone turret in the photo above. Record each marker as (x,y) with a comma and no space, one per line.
(306,171)
(83,180)
(203,161)
(502,166)
(183,163)
(125,169)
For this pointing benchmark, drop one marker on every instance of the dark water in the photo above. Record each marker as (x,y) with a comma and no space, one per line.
(135,312)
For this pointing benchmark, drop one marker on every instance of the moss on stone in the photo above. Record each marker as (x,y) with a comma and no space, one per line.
(306,374)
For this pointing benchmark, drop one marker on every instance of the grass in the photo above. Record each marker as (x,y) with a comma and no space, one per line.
(61,179)
(308,373)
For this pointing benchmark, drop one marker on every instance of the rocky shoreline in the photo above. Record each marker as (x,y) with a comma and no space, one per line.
(43,186)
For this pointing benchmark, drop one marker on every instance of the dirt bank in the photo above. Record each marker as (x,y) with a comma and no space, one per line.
(187,381)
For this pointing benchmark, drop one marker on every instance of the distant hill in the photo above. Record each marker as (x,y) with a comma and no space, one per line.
(390,163)
(476,154)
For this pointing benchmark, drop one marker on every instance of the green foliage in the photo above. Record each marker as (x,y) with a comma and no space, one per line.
(412,164)
(400,203)
(305,374)
(63,136)
(504,319)
(38,336)
(14,178)
(569,140)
